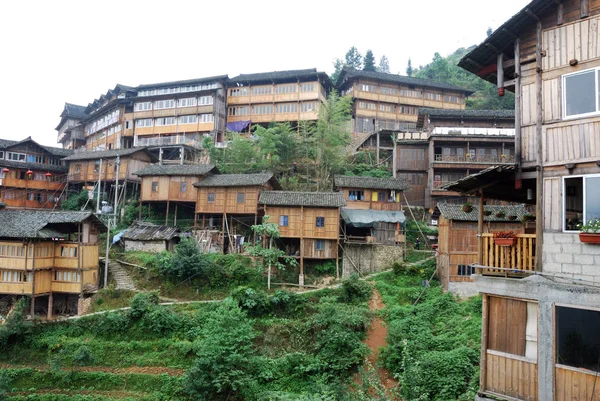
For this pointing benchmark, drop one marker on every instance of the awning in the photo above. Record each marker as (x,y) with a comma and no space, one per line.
(368,218)
(238,126)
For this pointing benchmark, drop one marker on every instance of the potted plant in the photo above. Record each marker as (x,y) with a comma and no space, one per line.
(500,214)
(590,232)
(528,217)
(487,212)
(505,238)
(467,207)
(512,217)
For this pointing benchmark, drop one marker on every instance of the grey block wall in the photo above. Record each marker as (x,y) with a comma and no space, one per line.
(369,258)
(565,256)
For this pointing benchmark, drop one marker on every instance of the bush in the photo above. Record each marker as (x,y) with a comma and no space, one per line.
(355,290)
(255,302)
(326,268)
(142,303)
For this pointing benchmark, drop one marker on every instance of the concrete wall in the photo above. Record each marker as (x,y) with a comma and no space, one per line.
(146,246)
(369,258)
(564,255)
(547,292)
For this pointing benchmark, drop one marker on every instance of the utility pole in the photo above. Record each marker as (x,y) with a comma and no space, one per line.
(106,256)
(117,164)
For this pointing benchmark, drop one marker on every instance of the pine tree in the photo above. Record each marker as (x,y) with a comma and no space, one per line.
(384,65)
(409,68)
(354,58)
(369,61)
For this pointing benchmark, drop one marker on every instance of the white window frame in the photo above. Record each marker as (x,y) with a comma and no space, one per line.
(564,94)
(564,199)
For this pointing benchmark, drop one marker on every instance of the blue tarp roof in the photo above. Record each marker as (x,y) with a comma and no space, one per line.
(369,217)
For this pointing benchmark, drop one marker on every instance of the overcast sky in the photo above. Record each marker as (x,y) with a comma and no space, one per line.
(57,51)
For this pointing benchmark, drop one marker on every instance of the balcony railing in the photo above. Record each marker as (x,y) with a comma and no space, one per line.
(169,140)
(520,257)
(474,158)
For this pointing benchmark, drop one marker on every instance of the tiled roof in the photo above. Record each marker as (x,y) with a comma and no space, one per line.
(508,114)
(175,169)
(455,212)
(278,76)
(141,231)
(103,154)
(184,82)
(349,73)
(288,198)
(349,181)
(74,111)
(236,180)
(6,143)
(33,166)
(38,223)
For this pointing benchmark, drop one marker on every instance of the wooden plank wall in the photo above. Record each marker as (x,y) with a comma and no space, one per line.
(572,141)
(506,325)
(552,204)
(513,377)
(169,189)
(310,251)
(573,384)
(226,200)
(43,281)
(294,228)
(579,40)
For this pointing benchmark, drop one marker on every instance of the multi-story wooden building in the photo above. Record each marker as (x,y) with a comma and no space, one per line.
(373,222)
(227,207)
(51,256)
(309,223)
(32,176)
(392,102)
(540,333)
(280,96)
(178,113)
(172,184)
(70,129)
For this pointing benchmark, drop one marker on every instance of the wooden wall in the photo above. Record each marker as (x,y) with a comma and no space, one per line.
(226,200)
(310,249)
(302,221)
(169,188)
(369,203)
(511,376)
(572,384)
(87,169)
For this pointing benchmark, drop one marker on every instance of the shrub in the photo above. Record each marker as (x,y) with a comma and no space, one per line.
(255,302)
(83,357)
(355,290)
(142,303)
(326,268)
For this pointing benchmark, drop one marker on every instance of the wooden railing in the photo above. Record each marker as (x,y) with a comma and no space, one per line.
(511,375)
(520,256)
(474,158)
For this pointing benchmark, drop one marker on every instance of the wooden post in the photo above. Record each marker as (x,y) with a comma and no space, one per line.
(480,230)
(484,341)
(518,107)
(539,206)
(167,215)
(500,71)
(377,147)
(301,276)
(50,304)
(337,252)
(560,14)
(79,258)
(394,156)
(32,311)
(140,213)
(175,217)
(585,8)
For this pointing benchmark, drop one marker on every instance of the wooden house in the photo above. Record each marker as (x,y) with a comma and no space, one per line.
(227,206)
(70,128)
(148,237)
(540,333)
(458,242)
(52,256)
(32,176)
(279,96)
(391,102)
(308,223)
(172,184)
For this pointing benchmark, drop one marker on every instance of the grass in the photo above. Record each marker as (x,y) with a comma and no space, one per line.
(110,299)
(413,256)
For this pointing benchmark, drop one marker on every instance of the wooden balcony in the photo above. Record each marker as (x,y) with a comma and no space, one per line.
(474,159)
(32,184)
(511,376)
(519,257)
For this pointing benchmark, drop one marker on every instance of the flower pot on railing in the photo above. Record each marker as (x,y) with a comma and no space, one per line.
(505,241)
(589,238)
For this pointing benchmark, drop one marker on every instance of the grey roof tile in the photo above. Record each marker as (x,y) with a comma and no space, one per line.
(104,154)
(455,212)
(141,231)
(39,223)
(508,114)
(350,181)
(237,180)
(176,169)
(289,198)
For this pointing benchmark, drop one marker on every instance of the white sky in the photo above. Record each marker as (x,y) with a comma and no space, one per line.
(56,51)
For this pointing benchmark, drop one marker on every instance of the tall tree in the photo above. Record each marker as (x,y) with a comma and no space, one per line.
(353,58)
(384,65)
(409,68)
(338,64)
(369,61)
(489,32)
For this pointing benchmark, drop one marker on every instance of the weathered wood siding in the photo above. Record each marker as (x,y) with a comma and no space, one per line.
(88,171)
(572,384)
(511,376)
(311,251)
(304,224)
(226,200)
(169,188)
(552,204)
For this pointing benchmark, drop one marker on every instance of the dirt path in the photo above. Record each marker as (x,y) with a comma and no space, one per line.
(375,340)
(142,370)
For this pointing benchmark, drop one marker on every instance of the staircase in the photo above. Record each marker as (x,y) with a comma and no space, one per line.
(120,276)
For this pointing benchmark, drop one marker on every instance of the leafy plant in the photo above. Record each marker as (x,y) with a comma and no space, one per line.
(504,234)
(467,207)
(591,227)
(500,214)
(355,290)
(487,212)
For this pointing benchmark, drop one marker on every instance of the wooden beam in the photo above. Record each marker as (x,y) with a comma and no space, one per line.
(480,230)
(478,65)
(509,83)
(508,63)
(539,206)
(560,12)
(510,33)
(494,48)
(484,342)
(518,106)
(585,8)
(500,71)
(532,14)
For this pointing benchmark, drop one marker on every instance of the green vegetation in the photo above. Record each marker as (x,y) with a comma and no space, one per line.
(433,346)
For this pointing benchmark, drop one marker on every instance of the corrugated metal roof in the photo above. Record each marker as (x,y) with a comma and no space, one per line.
(347,181)
(176,169)
(456,212)
(141,231)
(289,198)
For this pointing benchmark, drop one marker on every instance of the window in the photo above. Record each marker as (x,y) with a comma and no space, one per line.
(283,221)
(320,245)
(308,106)
(580,200)
(164,104)
(241,197)
(465,270)
(16,276)
(144,122)
(19,157)
(187,102)
(192,119)
(356,195)
(368,88)
(205,100)
(580,94)
(142,106)
(2,154)
(77,169)
(320,221)
(384,90)
(308,87)
(451,99)
(182,186)
(261,90)
(154,186)
(410,93)
(164,121)
(62,275)
(286,88)
(519,335)
(206,118)
(381,196)
(238,92)
(577,340)
(68,251)
(287,108)
(262,109)
(211,197)
(239,111)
